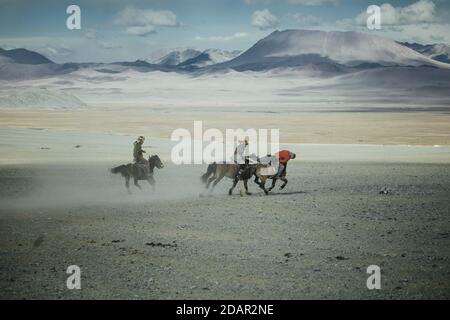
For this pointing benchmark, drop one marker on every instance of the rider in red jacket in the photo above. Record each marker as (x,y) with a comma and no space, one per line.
(283,157)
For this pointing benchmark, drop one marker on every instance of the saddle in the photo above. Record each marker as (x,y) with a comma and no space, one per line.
(268,170)
(270,165)
(142,168)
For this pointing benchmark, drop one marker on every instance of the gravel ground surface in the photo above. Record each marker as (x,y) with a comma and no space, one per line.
(314,239)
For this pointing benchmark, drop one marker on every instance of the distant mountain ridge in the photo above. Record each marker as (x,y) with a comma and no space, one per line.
(24,56)
(173,57)
(209,57)
(295,48)
(323,53)
(439,52)
(189,58)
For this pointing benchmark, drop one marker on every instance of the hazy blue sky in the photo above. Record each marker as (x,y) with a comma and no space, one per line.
(129,30)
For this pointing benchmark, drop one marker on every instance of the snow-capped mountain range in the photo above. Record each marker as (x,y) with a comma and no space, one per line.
(172,57)
(279,66)
(339,52)
(296,48)
(439,52)
(189,57)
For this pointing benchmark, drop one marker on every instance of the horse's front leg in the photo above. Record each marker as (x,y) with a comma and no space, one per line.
(152,182)
(284,184)
(262,185)
(235,182)
(274,181)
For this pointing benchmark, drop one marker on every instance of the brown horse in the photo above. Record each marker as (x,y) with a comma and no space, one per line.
(216,172)
(261,178)
(143,170)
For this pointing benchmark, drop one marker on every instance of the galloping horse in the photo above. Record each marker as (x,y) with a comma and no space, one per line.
(261,178)
(139,171)
(216,172)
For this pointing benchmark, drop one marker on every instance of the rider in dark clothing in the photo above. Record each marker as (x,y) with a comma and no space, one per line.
(138,156)
(137,149)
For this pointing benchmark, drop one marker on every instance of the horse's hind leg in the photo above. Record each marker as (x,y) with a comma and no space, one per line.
(216,182)
(152,182)
(284,184)
(235,182)
(136,183)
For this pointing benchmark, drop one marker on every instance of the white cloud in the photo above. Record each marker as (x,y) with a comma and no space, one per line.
(235,36)
(417,22)
(301,2)
(142,22)
(314,2)
(264,20)
(90,33)
(265,2)
(53,51)
(422,11)
(419,33)
(306,20)
(140,30)
(108,45)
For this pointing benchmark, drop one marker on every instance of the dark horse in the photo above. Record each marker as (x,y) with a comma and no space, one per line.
(139,171)
(261,177)
(216,172)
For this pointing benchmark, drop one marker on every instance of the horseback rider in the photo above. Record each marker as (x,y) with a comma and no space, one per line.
(138,156)
(137,149)
(283,158)
(241,156)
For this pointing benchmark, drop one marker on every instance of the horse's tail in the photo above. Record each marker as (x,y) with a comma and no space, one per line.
(211,169)
(122,169)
